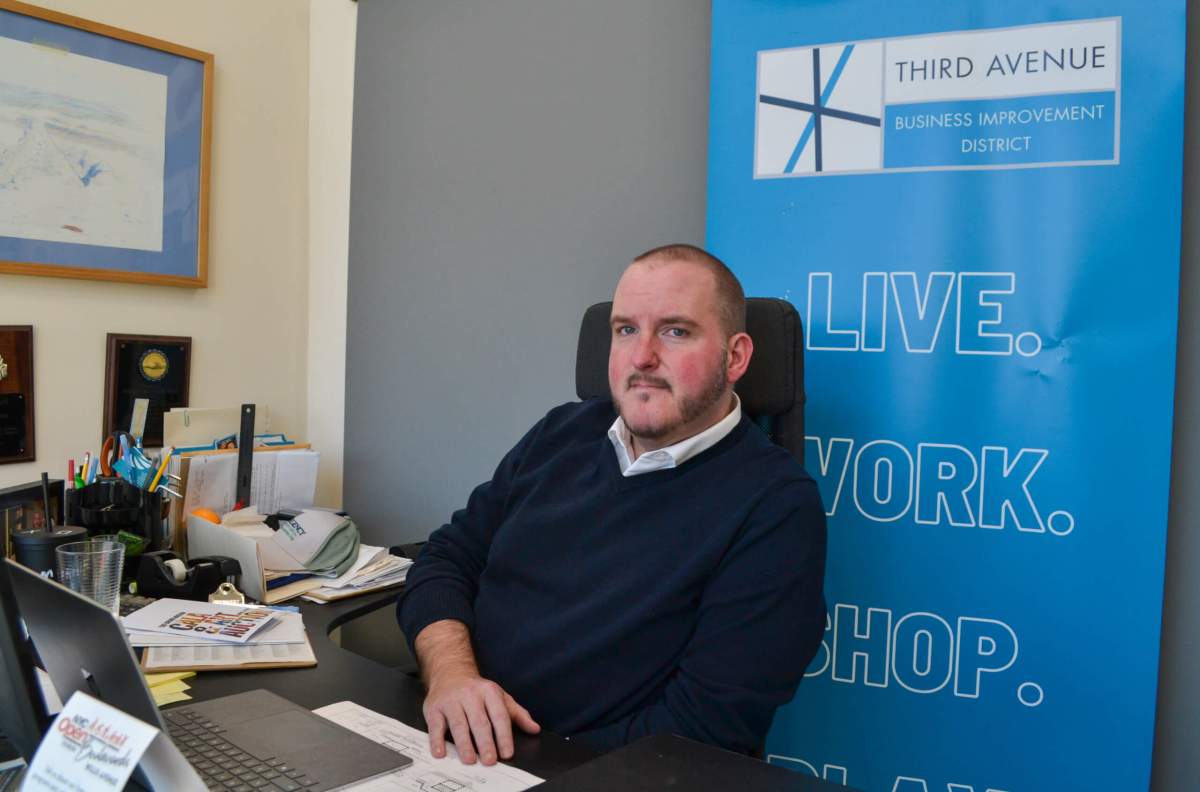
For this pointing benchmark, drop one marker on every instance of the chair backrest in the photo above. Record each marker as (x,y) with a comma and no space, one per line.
(772,391)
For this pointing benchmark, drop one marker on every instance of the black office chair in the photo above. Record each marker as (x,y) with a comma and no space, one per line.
(772,391)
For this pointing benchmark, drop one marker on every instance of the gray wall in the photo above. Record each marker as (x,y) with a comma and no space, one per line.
(509,157)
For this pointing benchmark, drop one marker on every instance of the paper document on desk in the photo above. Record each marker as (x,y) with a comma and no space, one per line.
(374,569)
(425,773)
(207,621)
(228,657)
(279,479)
(287,628)
(192,426)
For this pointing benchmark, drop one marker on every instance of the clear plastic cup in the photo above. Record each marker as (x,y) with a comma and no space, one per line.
(92,568)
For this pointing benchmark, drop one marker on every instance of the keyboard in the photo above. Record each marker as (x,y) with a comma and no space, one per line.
(223,765)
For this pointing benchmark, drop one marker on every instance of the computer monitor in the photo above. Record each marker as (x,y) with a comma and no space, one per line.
(23,716)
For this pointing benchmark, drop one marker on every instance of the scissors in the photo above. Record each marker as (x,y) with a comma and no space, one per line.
(115,446)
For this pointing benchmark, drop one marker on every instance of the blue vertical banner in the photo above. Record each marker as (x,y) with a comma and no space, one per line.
(976,209)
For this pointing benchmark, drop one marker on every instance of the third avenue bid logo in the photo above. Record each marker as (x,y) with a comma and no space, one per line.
(819,110)
(1032,96)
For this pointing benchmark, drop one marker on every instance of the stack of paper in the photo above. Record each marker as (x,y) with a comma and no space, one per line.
(185,635)
(280,479)
(199,621)
(375,569)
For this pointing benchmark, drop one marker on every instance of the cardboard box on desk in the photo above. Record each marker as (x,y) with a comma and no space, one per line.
(206,539)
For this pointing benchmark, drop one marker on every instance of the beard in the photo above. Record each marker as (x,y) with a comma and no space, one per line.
(690,407)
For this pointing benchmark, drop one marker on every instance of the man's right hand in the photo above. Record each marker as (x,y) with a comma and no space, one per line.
(478,713)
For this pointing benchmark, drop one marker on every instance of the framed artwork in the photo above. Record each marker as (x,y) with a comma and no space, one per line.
(157,368)
(16,394)
(104,151)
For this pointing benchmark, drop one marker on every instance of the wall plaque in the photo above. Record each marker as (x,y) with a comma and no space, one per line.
(156,368)
(16,394)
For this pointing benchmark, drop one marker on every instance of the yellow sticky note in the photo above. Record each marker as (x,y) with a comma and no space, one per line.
(177,686)
(169,698)
(158,679)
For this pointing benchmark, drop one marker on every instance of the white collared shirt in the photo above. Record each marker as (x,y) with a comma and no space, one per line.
(673,455)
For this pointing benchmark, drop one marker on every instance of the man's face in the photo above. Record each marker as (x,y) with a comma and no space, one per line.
(668,367)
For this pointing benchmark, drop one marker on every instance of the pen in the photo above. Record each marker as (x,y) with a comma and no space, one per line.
(162,468)
(71,472)
(46,501)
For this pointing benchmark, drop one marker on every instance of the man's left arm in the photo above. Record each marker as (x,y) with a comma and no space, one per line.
(761,620)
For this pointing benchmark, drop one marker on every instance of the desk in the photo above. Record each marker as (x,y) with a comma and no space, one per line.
(665,761)
(661,762)
(341,675)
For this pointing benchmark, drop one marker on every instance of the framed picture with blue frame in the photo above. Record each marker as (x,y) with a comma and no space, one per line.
(105,139)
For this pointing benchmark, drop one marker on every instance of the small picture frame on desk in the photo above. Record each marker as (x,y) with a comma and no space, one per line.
(21,509)
(156,368)
(16,394)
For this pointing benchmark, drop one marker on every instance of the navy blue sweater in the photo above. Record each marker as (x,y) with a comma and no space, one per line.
(686,600)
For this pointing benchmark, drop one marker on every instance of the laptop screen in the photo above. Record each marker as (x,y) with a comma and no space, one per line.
(23,717)
(82,646)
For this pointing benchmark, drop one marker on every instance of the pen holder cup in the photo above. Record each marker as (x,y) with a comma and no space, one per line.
(110,506)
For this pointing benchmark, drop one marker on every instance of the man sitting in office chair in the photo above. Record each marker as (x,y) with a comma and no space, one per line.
(656,567)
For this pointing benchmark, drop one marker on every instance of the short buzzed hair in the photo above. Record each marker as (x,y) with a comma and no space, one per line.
(731,300)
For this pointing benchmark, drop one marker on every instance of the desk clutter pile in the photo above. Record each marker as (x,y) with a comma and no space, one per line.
(226,505)
(315,553)
(183,635)
(256,509)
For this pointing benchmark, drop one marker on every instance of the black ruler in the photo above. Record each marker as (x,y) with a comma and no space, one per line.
(245,456)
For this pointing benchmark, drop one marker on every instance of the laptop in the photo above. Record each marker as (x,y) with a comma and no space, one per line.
(23,715)
(252,740)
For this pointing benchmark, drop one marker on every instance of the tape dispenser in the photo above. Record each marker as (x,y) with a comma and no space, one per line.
(164,574)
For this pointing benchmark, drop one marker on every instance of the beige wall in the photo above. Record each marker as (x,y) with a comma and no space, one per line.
(249,328)
(332,27)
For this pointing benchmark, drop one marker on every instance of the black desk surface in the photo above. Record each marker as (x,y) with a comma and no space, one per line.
(341,675)
(663,762)
(666,761)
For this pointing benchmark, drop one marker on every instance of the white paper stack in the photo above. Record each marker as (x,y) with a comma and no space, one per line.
(286,628)
(203,622)
(374,569)
(281,479)
(282,642)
